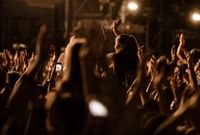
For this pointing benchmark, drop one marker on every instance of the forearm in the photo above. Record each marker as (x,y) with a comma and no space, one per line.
(170,123)
(21,94)
(116,32)
(179,54)
(193,78)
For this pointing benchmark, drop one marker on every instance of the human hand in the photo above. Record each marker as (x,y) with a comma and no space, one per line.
(188,101)
(115,25)
(118,22)
(32,58)
(190,58)
(151,66)
(140,54)
(104,31)
(182,40)
(40,52)
(173,52)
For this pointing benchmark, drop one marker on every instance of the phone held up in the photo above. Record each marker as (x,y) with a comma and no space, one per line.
(58,67)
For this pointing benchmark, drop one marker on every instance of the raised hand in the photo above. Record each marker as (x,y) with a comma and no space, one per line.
(140,54)
(69,56)
(192,75)
(115,26)
(181,49)
(189,101)
(40,52)
(25,94)
(182,40)
(24,88)
(173,53)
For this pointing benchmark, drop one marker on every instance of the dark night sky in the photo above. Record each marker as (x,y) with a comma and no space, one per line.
(167,19)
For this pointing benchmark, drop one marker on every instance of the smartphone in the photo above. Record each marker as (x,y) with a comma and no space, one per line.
(58,67)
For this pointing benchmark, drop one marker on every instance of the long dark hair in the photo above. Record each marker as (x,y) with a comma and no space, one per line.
(128,43)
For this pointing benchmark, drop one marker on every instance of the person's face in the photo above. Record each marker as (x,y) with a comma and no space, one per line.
(117,46)
(22,55)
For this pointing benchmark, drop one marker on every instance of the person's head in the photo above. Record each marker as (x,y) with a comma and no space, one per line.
(125,43)
(12,77)
(163,65)
(22,54)
(51,51)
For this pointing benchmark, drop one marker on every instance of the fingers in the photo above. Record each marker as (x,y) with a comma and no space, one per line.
(152,61)
(182,39)
(173,47)
(173,52)
(118,22)
(140,52)
(115,26)
(181,36)
(71,39)
(74,40)
(141,49)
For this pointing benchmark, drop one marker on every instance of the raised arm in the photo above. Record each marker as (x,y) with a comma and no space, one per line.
(180,49)
(24,89)
(192,75)
(187,104)
(40,53)
(115,27)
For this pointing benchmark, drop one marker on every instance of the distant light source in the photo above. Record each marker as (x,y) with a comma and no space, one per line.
(97,108)
(196,17)
(132,5)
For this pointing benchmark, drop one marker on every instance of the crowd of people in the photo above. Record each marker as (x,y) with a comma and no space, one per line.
(86,90)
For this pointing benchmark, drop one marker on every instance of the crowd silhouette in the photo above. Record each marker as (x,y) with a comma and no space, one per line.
(86,90)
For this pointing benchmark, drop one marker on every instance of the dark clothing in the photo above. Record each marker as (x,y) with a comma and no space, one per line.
(124,67)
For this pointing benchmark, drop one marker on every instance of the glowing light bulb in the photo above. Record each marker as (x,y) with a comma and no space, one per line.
(196,17)
(97,109)
(132,6)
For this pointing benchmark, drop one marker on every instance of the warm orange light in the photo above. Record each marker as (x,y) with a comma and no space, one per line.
(132,6)
(196,17)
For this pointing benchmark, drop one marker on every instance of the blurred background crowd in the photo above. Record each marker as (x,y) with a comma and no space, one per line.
(103,67)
